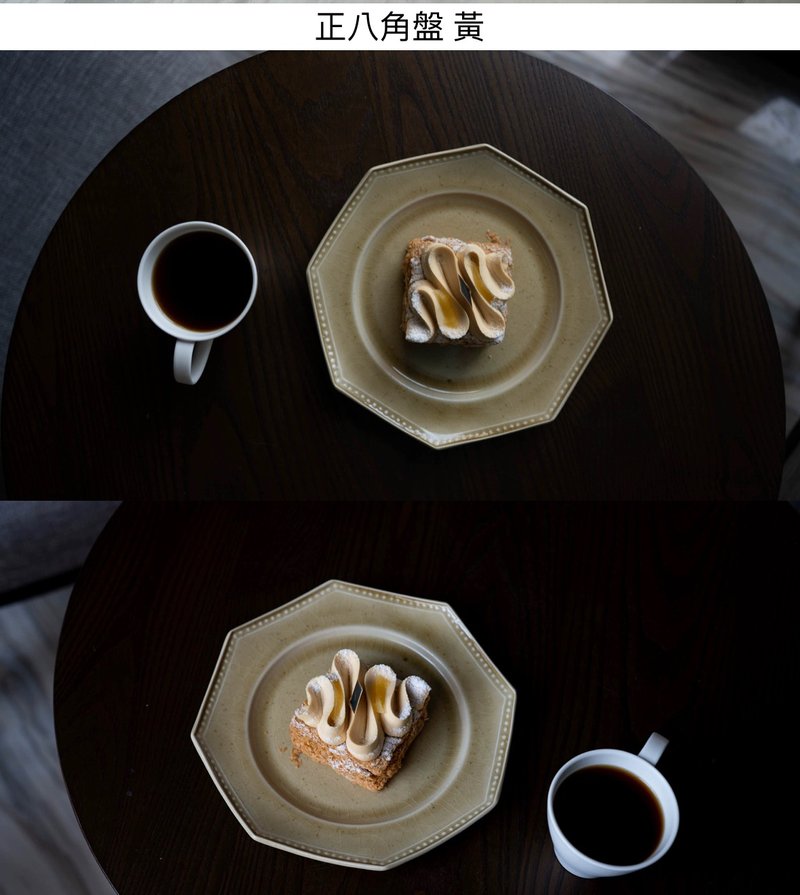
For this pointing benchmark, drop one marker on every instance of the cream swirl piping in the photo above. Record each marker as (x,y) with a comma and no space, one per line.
(385,708)
(440,301)
(328,695)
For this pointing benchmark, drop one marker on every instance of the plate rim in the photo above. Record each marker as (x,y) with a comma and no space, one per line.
(500,758)
(378,407)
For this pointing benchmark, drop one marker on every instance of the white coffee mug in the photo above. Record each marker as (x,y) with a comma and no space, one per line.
(641,766)
(192,347)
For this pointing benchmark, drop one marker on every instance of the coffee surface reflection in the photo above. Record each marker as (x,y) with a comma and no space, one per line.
(202,280)
(609,814)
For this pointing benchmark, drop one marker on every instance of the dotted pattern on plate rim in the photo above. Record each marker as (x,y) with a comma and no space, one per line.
(392,416)
(386,596)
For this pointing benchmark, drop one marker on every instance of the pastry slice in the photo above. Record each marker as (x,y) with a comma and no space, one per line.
(359,723)
(456,292)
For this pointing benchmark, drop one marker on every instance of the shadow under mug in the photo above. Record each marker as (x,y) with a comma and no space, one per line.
(642,767)
(192,347)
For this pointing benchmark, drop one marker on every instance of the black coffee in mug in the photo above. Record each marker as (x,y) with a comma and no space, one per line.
(202,280)
(609,814)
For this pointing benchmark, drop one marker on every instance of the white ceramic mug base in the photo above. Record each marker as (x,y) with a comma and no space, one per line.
(191,348)
(641,766)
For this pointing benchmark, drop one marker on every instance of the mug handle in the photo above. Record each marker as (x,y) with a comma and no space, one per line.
(654,748)
(189,360)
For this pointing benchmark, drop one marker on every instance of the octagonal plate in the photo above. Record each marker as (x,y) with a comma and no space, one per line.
(451,776)
(448,395)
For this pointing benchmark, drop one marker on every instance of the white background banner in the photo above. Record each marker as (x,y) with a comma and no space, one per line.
(400,26)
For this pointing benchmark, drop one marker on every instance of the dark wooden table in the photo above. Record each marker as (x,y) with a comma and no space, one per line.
(610,620)
(684,397)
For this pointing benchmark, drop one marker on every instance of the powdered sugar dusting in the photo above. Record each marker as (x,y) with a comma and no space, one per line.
(418,690)
(385,670)
(416,331)
(340,758)
(389,745)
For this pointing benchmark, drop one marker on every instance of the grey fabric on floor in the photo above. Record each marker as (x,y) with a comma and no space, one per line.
(790,484)
(60,114)
(44,539)
(42,848)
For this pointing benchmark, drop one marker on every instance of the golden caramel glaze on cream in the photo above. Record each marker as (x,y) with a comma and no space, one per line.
(459,290)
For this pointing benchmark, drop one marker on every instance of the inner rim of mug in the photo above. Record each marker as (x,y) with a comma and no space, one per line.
(638,767)
(145,280)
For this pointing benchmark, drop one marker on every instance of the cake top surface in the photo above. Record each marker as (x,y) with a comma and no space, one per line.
(457,287)
(359,709)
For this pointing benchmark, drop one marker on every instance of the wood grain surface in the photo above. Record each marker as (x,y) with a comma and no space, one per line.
(611,622)
(683,399)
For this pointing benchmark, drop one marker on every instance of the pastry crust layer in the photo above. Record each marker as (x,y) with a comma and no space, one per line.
(373,774)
